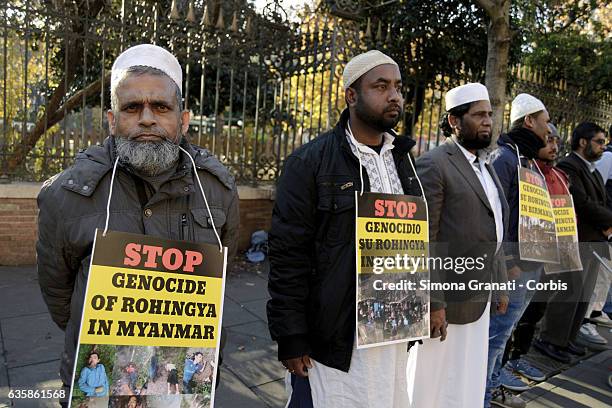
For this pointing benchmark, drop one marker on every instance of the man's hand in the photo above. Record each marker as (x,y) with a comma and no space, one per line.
(99,389)
(298,366)
(502,304)
(514,272)
(438,324)
(607,232)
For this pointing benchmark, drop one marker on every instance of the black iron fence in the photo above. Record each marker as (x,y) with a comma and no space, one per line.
(257,83)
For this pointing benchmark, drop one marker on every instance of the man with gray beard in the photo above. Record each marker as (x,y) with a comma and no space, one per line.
(154,189)
(147,157)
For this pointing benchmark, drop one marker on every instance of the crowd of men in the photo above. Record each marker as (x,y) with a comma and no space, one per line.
(392,320)
(478,339)
(475,356)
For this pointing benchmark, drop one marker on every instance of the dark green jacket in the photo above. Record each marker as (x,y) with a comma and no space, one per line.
(73,204)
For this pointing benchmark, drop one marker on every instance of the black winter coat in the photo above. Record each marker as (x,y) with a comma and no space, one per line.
(312,247)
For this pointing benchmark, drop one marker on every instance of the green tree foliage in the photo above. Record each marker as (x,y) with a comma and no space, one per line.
(568,40)
(434,39)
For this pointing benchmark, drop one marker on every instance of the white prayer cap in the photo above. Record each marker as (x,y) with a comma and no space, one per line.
(523,105)
(465,94)
(148,55)
(362,63)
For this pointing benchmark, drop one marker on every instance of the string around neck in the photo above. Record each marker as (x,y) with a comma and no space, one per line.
(212,221)
(110,195)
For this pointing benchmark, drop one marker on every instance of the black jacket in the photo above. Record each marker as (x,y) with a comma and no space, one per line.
(589,194)
(312,247)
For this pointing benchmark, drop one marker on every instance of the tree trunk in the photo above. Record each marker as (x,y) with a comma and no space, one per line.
(498,49)
(413,117)
(73,50)
(21,150)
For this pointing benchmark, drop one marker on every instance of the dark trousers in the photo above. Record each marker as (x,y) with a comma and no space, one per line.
(566,309)
(301,396)
(525,330)
(523,333)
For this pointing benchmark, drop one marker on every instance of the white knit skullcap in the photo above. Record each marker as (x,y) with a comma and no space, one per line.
(148,55)
(523,105)
(362,63)
(467,93)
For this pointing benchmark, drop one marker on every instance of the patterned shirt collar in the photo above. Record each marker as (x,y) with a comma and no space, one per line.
(387,143)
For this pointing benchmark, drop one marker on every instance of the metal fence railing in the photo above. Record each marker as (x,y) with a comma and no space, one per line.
(257,84)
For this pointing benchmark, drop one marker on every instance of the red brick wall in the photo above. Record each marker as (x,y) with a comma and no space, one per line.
(18,227)
(17,231)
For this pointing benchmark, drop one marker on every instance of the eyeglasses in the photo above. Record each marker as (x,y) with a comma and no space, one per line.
(600,142)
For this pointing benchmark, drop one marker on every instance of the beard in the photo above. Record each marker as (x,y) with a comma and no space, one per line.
(374,120)
(473,141)
(148,158)
(590,154)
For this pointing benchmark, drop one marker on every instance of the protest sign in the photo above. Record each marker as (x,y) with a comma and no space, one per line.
(537,233)
(392,236)
(153,307)
(567,235)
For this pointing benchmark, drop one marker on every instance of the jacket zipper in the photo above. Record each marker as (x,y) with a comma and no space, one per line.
(342,186)
(183,230)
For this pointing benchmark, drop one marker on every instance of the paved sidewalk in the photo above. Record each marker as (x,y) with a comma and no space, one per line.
(251,376)
(30,343)
(581,386)
(578,385)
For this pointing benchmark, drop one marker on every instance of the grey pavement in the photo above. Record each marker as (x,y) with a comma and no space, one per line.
(30,343)
(251,376)
(582,385)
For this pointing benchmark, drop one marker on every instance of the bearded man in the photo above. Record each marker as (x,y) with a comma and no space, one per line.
(467,217)
(154,189)
(312,282)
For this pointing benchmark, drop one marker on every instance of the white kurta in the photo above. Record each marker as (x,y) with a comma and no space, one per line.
(376,379)
(452,373)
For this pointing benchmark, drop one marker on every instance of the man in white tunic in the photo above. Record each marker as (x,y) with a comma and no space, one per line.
(312,283)
(467,214)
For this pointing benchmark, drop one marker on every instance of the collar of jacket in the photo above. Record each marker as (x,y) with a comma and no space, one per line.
(401,144)
(91,165)
(506,142)
(590,166)
(528,143)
